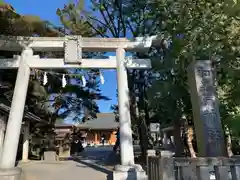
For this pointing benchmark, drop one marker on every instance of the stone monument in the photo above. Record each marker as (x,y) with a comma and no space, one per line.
(208,127)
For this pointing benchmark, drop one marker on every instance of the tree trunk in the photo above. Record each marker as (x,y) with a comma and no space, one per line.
(190,133)
(2,132)
(141,128)
(138,113)
(229,143)
(144,115)
(150,140)
(179,146)
(144,134)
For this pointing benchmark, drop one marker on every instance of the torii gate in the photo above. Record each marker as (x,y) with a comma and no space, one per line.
(73,46)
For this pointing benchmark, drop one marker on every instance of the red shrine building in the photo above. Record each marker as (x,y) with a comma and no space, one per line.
(104,125)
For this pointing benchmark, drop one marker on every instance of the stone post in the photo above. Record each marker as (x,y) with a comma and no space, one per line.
(150,152)
(208,127)
(126,142)
(166,163)
(16,113)
(25,142)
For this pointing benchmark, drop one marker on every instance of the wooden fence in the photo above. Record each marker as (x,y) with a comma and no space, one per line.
(166,167)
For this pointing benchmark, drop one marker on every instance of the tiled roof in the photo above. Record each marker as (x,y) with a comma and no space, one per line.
(103,121)
(105,115)
(27,115)
(63,125)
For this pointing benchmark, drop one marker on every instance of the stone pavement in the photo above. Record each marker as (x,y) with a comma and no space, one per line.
(91,164)
(62,170)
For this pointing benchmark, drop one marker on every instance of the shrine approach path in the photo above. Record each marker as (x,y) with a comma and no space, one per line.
(62,170)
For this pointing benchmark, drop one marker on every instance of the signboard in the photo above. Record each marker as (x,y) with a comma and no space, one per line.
(154,127)
(73,49)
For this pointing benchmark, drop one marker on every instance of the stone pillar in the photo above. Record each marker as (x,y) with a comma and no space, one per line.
(25,141)
(2,132)
(126,142)
(16,113)
(150,152)
(166,166)
(127,170)
(208,127)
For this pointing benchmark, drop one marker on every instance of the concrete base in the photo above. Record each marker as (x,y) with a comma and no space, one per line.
(50,156)
(134,172)
(11,174)
(23,162)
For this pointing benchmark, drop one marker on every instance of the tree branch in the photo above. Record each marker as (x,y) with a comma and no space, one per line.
(96,30)
(121,18)
(94,19)
(111,20)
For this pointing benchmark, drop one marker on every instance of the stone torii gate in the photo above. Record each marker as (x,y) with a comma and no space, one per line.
(73,46)
(201,80)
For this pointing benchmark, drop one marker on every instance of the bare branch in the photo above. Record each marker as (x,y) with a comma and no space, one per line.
(111,21)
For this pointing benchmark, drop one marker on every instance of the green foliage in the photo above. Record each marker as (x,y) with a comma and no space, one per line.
(14,24)
(114,108)
(74,99)
(188,30)
(73,20)
(193,30)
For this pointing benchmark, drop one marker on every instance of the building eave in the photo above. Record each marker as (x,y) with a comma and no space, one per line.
(27,115)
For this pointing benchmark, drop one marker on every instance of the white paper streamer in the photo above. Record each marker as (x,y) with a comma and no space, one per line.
(64,81)
(84,82)
(45,79)
(102,78)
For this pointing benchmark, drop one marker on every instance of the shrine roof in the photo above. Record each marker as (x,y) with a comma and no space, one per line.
(103,121)
(28,115)
(63,125)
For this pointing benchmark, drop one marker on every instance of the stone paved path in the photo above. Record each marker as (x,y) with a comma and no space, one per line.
(63,170)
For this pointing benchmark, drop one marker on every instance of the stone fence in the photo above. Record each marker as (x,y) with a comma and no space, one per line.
(166,167)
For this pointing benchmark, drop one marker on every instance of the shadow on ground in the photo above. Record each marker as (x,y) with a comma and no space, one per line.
(104,157)
(101,159)
(95,165)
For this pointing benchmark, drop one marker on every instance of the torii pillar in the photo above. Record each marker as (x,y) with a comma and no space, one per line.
(26,134)
(72,47)
(7,164)
(128,170)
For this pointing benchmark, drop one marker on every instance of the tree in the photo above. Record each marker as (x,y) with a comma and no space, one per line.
(196,30)
(116,21)
(120,19)
(83,104)
(78,100)
(17,25)
(14,24)
(184,27)
(189,30)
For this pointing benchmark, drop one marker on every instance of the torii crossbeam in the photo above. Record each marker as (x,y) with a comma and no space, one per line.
(59,63)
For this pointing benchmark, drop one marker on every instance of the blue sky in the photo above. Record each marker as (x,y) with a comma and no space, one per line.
(46,9)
